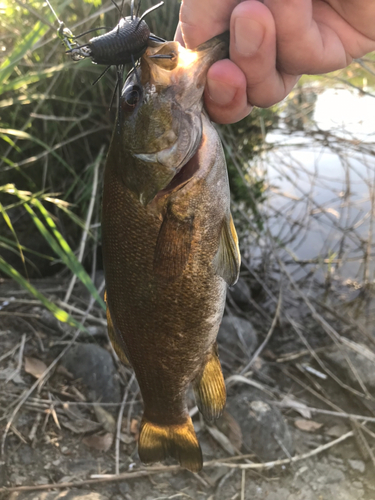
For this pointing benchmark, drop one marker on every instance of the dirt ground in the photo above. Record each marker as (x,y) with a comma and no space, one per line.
(299,422)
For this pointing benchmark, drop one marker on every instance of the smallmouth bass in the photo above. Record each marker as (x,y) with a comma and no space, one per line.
(169,245)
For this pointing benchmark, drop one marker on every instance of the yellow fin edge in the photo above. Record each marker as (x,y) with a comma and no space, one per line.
(157,442)
(227,261)
(209,388)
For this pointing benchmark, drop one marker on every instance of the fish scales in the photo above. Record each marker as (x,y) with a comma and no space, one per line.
(167,242)
(167,329)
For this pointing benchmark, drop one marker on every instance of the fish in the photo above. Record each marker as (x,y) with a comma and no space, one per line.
(170,248)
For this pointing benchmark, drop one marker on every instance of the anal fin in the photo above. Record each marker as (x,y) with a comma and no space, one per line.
(227,260)
(209,388)
(113,336)
(157,442)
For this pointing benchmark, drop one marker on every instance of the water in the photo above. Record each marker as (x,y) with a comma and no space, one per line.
(321,188)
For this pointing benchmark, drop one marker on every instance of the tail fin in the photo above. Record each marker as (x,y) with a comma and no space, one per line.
(157,442)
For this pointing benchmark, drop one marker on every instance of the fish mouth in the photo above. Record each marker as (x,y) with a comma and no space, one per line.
(169,63)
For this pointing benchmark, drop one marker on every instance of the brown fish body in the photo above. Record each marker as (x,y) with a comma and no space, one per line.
(164,231)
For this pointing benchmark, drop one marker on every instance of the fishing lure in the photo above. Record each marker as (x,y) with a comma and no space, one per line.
(124,44)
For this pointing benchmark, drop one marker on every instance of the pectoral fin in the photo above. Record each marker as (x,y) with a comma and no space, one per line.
(209,388)
(113,336)
(172,247)
(227,261)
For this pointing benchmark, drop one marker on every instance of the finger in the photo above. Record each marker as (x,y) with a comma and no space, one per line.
(178,35)
(253,49)
(358,13)
(225,95)
(309,36)
(201,20)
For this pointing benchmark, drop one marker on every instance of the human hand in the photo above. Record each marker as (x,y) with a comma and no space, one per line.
(272,44)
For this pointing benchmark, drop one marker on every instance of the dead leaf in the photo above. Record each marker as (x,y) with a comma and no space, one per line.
(105,418)
(99,442)
(229,426)
(81,426)
(64,372)
(35,367)
(298,406)
(307,425)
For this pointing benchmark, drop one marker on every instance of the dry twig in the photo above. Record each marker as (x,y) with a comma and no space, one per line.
(119,422)
(163,469)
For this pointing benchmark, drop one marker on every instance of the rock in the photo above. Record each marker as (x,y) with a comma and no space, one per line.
(357,494)
(27,455)
(181,481)
(94,365)
(60,495)
(96,331)
(17,479)
(280,494)
(82,466)
(363,365)
(357,484)
(240,293)
(237,337)
(304,494)
(357,465)
(42,480)
(124,488)
(330,475)
(264,430)
(341,492)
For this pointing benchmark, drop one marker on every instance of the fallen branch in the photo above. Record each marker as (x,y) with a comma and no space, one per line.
(157,470)
(103,479)
(292,460)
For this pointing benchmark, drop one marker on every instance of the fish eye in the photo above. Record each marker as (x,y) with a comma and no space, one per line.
(131,97)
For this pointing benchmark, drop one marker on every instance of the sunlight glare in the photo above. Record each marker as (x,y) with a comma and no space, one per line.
(186,57)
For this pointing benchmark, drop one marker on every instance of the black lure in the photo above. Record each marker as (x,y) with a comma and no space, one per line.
(124,44)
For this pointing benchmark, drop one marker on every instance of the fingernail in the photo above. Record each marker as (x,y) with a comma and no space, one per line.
(221,93)
(248,35)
